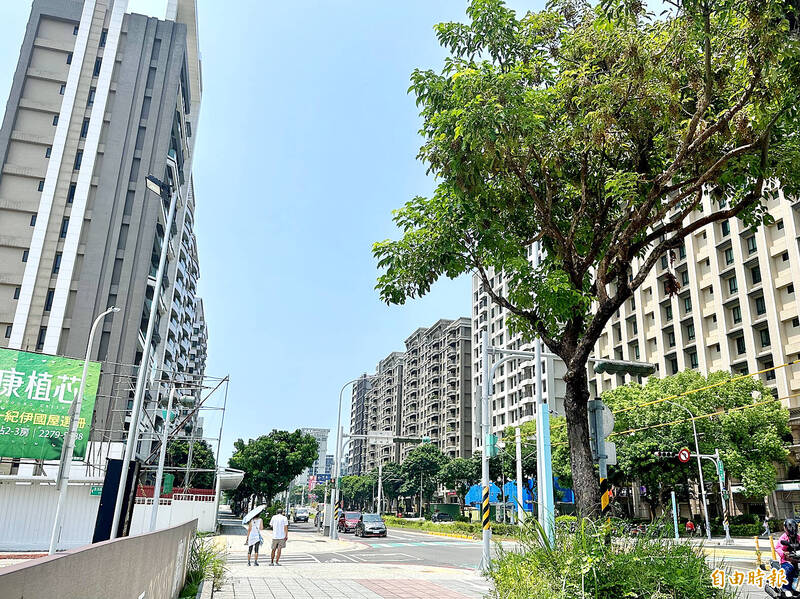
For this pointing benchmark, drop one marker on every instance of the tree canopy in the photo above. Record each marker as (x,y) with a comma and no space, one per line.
(271,462)
(202,458)
(422,466)
(604,134)
(750,439)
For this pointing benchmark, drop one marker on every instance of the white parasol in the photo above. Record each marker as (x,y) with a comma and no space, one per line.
(253,513)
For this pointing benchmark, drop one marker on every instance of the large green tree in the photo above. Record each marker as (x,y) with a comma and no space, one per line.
(271,462)
(605,134)
(202,458)
(459,474)
(751,440)
(421,467)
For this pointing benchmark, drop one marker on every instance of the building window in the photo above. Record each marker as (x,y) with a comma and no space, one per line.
(764,334)
(690,332)
(737,314)
(664,261)
(671,339)
(635,328)
(92,91)
(55,119)
(8,331)
(755,272)
(636,351)
(64,227)
(48,151)
(751,244)
(687,304)
(75,30)
(693,363)
(62,89)
(33,220)
(728,256)
(685,278)
(785,256)
(78,160)
(84,128)
(16,292)
(790,288)
(97,63)
(48,302)
(682,250)
(103,37)
(41,185)
(726,228)
(770,374)
(674,364)
(25,255)
(69,57)
(733,286)
(740,346)
(71,192)
(779,224)
(668,313)
(761,306)
(40,339)
(633,303)
(796,322)
(57,263)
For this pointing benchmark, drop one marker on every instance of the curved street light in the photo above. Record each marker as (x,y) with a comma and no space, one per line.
(68,448)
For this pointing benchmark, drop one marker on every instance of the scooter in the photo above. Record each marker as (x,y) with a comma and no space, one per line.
(794,557)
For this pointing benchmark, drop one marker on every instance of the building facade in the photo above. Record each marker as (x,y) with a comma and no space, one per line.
(321,436)
(99,100)
(736,310)
(422,392)
(437,392)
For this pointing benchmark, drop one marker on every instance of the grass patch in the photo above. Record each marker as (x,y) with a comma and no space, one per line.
(207,561)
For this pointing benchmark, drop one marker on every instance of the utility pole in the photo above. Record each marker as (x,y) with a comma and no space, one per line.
(162,455)
(380,488)
(486,533)
(520,509)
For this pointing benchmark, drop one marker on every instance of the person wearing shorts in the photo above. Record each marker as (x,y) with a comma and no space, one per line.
(254,539)
(280,533)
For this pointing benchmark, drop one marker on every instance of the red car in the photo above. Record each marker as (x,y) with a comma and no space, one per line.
(348,521)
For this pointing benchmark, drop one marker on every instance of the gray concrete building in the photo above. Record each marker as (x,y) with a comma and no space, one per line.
(100,99)
(437,387)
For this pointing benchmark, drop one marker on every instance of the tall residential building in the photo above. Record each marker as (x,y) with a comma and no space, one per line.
(437,392)
(321,435)
(329,459)
(736,310)
(384,399)
(360,407)
(99,100)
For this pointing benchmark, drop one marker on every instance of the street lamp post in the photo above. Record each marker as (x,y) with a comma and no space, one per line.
(338,464)
(162,455)
(164,191)
(699,467)
(68,448)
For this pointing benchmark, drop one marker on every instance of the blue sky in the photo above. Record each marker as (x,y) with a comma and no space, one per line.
(306,142)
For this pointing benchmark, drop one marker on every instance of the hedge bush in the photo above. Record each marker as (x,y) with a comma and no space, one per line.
(464,528)
(581,563)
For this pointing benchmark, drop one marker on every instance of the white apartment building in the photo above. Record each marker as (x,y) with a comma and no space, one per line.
(736,310)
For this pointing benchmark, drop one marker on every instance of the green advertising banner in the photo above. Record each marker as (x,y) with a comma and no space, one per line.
(36,391)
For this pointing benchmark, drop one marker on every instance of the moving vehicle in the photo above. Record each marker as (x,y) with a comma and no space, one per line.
(441,517)
(370,525)
(348,521)
(301,514)
(794,557)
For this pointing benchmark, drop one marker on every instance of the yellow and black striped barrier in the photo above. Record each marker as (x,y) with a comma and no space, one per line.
(485,510)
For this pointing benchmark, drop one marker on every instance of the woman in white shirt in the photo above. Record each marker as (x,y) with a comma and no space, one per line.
(253,542)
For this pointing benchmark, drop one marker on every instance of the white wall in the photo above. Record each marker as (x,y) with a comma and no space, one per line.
(172,512)
(27,511)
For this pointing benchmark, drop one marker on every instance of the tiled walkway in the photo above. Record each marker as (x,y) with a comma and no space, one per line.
(305,588)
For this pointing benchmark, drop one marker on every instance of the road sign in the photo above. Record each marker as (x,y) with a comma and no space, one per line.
(684,455)
(721,471)
(323,478)
(96,490)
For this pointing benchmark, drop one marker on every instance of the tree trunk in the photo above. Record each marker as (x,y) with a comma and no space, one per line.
(585,483)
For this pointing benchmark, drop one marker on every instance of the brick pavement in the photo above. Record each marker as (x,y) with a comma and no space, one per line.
(373,588)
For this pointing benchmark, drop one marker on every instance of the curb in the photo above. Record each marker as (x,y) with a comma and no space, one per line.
(433,533)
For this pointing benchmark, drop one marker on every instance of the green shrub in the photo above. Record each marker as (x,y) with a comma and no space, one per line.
(581,563)
(206,562)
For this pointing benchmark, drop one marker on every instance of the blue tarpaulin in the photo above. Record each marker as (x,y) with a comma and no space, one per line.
(528,494)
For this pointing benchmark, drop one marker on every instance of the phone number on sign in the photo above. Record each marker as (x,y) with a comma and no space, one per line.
(21,431)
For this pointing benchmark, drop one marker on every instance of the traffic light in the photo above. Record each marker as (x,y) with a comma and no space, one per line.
(491,446)
(665,454)
(624,367)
